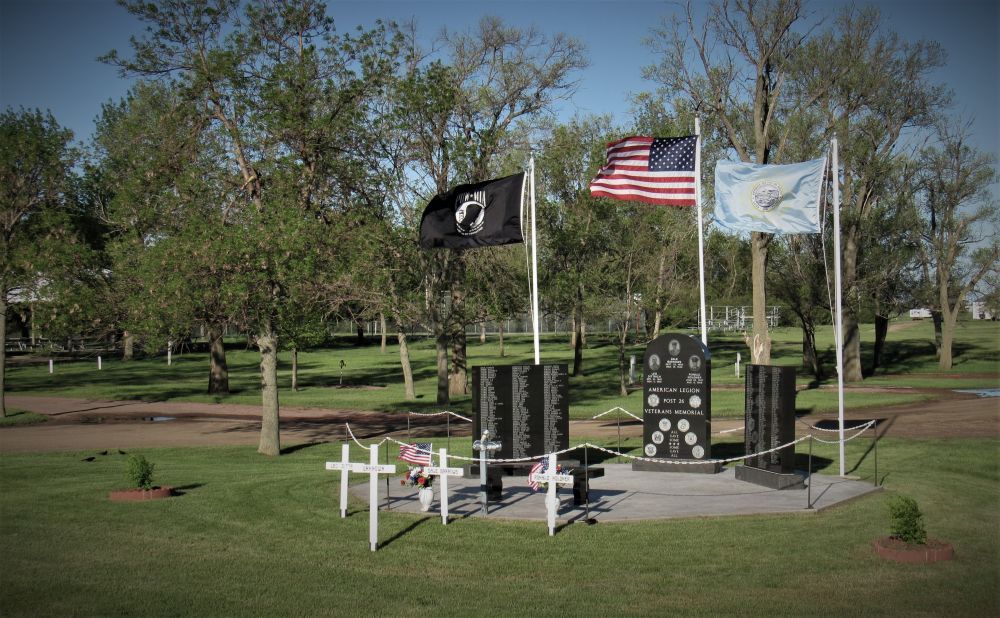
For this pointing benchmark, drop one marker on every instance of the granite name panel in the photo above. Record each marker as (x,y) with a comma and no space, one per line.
(526,407)
(769,417)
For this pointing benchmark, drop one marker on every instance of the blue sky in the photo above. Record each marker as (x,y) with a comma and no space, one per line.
(48,48)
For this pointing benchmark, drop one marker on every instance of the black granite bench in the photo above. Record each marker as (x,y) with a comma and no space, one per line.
(495,473)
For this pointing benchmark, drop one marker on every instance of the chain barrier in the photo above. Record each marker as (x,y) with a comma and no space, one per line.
(832,430)
(861,429)
(367,448)
(439,414)
(596,447)
(615,409)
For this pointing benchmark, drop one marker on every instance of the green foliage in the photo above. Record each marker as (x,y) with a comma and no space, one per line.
(21,417)
(239,507)
(907,522)
(139,471)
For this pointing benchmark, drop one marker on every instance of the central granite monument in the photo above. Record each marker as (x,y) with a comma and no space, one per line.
(677,406)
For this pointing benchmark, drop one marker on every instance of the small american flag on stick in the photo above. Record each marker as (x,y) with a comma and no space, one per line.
(654,170)
(418,453)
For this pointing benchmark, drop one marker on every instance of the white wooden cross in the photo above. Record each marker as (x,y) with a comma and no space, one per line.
(372,469)
(551,498)
(444,472)
(345,466)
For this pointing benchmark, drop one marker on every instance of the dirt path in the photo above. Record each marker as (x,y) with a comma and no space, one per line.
(81,425)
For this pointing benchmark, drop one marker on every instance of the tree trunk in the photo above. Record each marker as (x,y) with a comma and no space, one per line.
(457,384)
(359,329)
(404,361)
(881,331)
(381,324)
(760,339)
(937,319)
(128,346)
(3,352)
(572,332)
(482,332)
(658,316)
(270,442)
(947,337)
(583,332)
(578,350)
(295,369)
(441,347)
(218,372)
(810,357)
(852,328)
(622,369)
(501,339)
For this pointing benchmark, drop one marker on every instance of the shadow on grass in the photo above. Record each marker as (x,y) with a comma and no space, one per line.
(184,489)
(405,531)
(288,450)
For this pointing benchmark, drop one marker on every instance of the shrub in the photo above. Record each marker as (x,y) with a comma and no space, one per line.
(907,522)
(140,472)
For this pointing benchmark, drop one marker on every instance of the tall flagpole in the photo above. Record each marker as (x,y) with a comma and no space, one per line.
(701,228)
(534,267)
(838,335)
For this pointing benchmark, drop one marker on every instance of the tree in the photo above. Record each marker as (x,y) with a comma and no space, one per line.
(284,94)
(471,110)
(35,163)
(880,89)
(960,242)
(742,86)
(573,225)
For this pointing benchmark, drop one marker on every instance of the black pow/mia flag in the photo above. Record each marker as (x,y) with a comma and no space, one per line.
(475,215)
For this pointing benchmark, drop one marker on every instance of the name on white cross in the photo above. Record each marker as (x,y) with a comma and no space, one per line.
(373,469)
(444,472)
(554,479)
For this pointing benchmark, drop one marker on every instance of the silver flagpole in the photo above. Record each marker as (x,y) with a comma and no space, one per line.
(701,229)
(534,266)
(839,326)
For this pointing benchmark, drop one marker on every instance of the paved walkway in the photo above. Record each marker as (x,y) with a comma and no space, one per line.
(624,495)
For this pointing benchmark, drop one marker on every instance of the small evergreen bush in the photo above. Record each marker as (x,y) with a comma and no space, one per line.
(140,472)
(907,522)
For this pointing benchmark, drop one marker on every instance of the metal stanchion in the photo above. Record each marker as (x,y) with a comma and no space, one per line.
(875,428)
(809,477)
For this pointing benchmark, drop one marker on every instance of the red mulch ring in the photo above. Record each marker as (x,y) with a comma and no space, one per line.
(135,495)
(934,550)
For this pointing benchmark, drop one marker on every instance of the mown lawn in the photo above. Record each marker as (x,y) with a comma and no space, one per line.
(371,380)
(256,535)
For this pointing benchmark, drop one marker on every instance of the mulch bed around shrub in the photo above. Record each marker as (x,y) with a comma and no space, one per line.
(134,495)
(934,550)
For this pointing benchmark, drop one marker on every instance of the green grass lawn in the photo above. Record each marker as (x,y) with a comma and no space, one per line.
(257,535)
(21,417)
(373,381)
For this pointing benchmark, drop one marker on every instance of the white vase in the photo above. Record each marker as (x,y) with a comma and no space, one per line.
(426,497)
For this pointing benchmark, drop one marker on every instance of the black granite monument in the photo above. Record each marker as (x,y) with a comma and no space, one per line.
(769,417)
(677,405)
(525,407)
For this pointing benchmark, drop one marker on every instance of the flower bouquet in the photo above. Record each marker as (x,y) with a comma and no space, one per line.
(416,476)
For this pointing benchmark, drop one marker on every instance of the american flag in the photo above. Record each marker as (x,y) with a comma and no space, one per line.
(538,468)
(417,453)
(654,170)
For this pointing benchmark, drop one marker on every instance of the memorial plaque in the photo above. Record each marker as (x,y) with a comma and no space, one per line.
(770,417)
(525,407)
(677,398)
